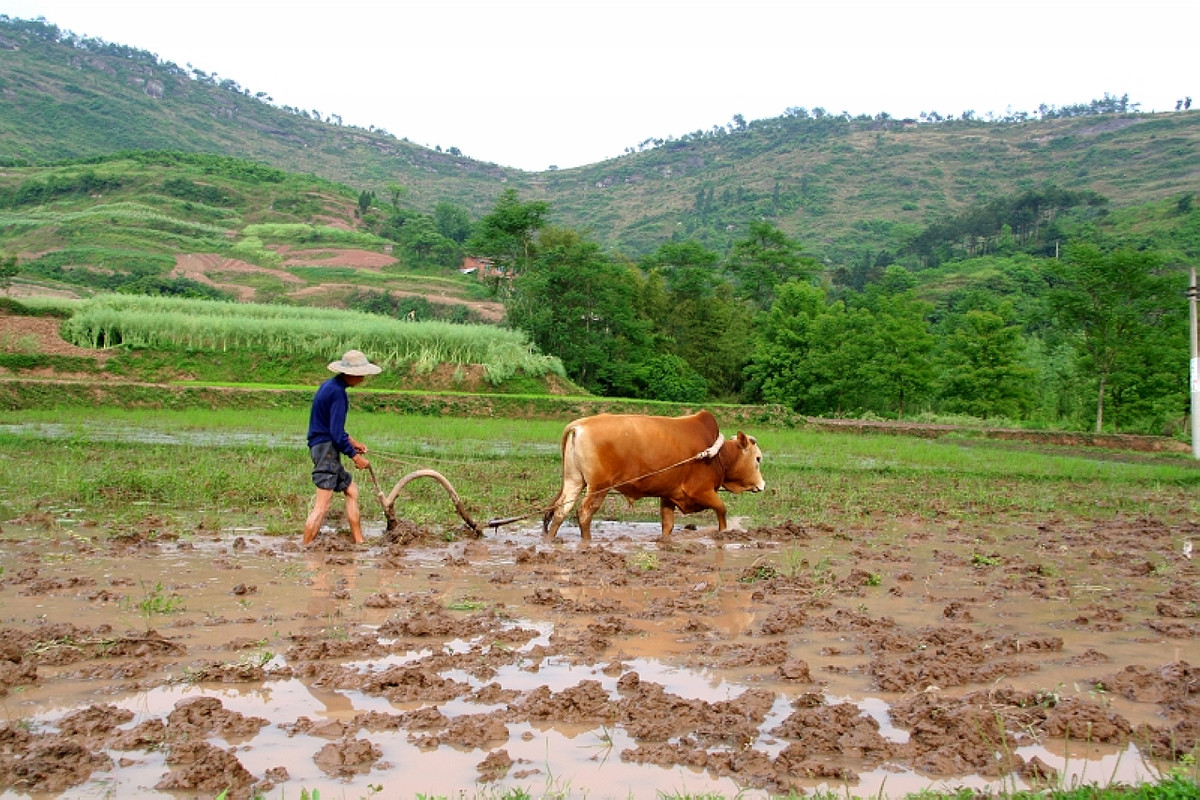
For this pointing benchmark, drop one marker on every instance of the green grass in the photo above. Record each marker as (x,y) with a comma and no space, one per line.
(198,461)
(302,233)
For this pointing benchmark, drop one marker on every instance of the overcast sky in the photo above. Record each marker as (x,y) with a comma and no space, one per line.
(535,83)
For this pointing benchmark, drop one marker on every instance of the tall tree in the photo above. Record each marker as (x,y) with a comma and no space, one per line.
(8,270)
(697,317)
(452,221)
(764,259)
(1110,302)
(421,239)
(577,303)
(869,354)
(899,367)
(508,235)
(395,192)
(981,372)
(781,370)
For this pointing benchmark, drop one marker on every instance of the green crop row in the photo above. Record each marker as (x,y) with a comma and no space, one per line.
(299,232)
(144,322)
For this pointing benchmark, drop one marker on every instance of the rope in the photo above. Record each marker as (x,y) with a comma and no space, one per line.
(382,454)
(710,452)
(713,450)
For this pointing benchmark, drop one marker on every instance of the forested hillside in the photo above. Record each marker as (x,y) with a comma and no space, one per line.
(841,185)
(1030,270)
(69,96)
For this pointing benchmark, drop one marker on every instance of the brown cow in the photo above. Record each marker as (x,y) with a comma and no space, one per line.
(683,461)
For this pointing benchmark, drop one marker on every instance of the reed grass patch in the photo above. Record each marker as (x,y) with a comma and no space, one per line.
(165,323)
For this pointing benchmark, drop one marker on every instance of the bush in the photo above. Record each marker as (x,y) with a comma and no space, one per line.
(670,378)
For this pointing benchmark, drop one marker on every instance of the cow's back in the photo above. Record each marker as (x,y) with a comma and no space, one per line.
(640,456)
(609,448)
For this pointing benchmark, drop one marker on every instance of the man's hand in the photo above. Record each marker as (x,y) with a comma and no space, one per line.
(361,462)
(357,445)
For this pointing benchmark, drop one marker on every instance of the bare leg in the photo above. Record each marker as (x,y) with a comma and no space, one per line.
(353,514)
(317,515)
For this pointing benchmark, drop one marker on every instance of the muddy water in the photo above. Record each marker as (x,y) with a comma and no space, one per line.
(788,658)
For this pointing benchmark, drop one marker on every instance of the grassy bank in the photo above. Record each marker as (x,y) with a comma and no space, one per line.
(29,395)
(160,339)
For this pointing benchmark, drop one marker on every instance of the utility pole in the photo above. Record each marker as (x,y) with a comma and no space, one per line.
(1194,337)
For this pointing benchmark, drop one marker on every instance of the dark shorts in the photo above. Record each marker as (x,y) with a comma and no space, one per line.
(328,472)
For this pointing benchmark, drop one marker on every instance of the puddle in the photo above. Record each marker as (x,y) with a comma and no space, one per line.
(744,666)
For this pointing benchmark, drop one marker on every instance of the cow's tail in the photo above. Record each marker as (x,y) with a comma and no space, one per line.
(567,435)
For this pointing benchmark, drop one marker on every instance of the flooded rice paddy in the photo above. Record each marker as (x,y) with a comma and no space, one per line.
(165,660)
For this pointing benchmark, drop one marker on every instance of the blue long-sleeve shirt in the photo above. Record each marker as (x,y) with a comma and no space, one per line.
(327,420)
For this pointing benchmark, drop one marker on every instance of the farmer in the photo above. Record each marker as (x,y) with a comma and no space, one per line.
(328,441)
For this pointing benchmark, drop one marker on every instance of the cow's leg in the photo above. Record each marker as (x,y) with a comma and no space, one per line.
(572,486)
(719,507)
(667,510)
(713,500)
(548,514)
(590,505)
(573,481)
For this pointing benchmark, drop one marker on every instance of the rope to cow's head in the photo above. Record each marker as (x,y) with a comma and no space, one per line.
(388,502)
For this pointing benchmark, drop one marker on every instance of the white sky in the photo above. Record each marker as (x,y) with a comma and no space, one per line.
(534,83)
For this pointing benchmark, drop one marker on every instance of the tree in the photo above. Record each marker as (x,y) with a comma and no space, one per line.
(452,221)
(8,271)
(575,302)
(697,317)
(508,235)
(419,236)
(688,266)
(898,368)
(668,377)
(766,258)
(982,374)
(1109,303)
(867,354)
(393,227)
(395,192)
(781,370)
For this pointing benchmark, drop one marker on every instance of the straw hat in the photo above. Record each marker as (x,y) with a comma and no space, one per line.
(354,363)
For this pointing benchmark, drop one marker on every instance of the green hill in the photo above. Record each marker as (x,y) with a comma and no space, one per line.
(214,226)
(840,186)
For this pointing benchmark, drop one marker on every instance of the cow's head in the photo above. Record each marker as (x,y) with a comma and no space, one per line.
(742,472)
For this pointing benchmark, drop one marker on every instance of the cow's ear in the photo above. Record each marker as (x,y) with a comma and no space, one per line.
(743,440)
